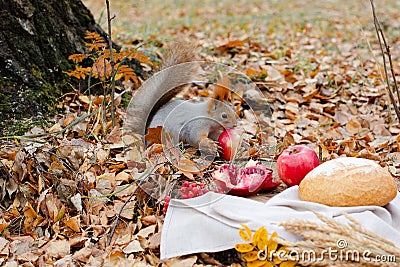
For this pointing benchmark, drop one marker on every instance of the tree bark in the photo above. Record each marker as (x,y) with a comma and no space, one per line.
(36,38)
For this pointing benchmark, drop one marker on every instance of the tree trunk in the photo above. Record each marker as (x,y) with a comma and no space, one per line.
(36,38)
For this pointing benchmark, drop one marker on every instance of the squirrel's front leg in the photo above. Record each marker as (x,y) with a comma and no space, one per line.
(207,145)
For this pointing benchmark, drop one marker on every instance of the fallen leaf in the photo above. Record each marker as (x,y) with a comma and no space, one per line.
(146,232)
(56,248)
(153,135)
(181,261)
(74,223)
(133,247)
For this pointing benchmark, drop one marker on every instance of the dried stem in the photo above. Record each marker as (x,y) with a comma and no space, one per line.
(385,49)
(118,216)
(112,64)
(318,237)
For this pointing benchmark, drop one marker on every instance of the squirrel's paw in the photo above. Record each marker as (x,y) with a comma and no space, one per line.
(208,147)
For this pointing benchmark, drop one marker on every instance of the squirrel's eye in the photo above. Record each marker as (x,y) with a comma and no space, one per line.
(224,116)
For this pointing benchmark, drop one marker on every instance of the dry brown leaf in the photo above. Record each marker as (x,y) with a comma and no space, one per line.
(101,68)
(123,239)
(30,221)
(83,254)
(127,212)
(153,135)
(4,247)
(123,177)
(28,257)
(188,167)
(56,248)
(146,232)
(53,207)
(381,130)
(115,136)
(154,241)
(74,223)
(133,247)
(69,118)
(55,128)
(230,45)
(180,261)
(102,155)
(149,220)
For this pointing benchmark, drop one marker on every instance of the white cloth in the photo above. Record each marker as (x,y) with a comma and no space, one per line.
(210,223)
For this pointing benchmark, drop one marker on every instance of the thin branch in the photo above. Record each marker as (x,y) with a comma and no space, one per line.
(112,63)
(385,49)
(144,179)
(28,137)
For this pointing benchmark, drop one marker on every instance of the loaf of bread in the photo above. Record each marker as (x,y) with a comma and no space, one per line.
(348,181)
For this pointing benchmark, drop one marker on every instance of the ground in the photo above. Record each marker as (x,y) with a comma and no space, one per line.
(317,63)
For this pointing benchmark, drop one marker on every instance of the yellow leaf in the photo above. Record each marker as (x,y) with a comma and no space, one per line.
(118,77)
(243,248)
(288,264)
(251,72)
(256,263)
(79,72)
(268,264)
(141,58)
(95,46)
(263,73)
(91,35)
(260,238)
(280,255)
(127,73)
(251,256)
(245,233)
(272,244)
(106,54)
(77,57)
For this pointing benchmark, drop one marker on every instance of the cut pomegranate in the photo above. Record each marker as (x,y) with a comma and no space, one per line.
(244,181)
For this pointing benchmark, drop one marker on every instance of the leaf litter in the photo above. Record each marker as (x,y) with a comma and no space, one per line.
(61,191)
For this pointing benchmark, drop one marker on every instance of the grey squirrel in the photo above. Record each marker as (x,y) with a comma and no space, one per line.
(194,123)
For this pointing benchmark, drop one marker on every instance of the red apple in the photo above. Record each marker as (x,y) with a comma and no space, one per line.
(229,141)
(295,162)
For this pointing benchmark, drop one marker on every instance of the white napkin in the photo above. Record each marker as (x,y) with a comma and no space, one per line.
(211,222)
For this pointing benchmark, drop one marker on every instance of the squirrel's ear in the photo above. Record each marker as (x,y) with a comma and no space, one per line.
(212,105)
(222,90)
(216,103)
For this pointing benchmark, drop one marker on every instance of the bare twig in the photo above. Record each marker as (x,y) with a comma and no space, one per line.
(122,208)
(72,124)
(112,64)
(385,49)
(144,179)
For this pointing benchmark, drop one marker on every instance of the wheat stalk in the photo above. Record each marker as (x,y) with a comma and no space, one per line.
(321,237)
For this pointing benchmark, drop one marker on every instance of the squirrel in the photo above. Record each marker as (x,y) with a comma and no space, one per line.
(193,123)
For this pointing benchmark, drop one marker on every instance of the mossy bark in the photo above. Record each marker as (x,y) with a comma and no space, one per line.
(36,38)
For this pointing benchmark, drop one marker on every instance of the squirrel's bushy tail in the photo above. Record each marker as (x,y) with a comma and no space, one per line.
(176,72)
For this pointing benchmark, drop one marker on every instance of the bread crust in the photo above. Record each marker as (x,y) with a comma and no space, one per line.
(348,181)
